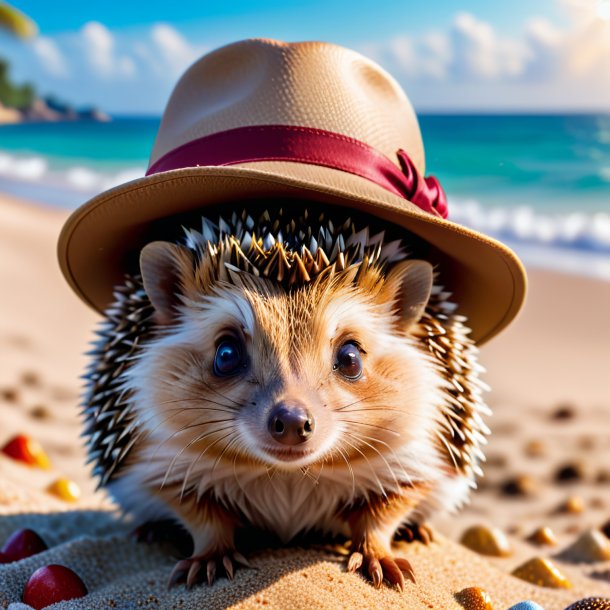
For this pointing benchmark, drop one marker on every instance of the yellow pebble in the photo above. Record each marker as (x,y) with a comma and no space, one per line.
(574,504)
(542,572)
(486,541)
(474,598)
(543,535)
(65,489)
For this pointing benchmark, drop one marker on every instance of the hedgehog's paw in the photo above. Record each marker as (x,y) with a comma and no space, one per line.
(415,532)
(198,569)
(379,568)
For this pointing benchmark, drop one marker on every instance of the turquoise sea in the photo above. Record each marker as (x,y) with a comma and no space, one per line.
(540,183)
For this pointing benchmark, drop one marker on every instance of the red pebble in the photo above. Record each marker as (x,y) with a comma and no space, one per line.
(25,449)
(4,558)
(22,544)
(52,584)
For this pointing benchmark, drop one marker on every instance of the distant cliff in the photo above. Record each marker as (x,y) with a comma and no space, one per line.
(21,104)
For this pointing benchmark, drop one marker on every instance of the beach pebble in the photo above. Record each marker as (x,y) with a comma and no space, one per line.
(542,572)
(496,460)
(474,598)
(590,546)
(526,605)
(570,473)
(39,412)
(486,541)
(586,443)
(65,489)
(25,449)
(597,502)
(591,603)
(521,485)
(9,394)
(30,378)
(4,558)
(603,476)
(52,584)
(573,505)
(23,543)
(535,448)
(543,535)
(563,412)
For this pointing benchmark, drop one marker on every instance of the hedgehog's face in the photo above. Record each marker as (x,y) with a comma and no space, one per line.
(326,373)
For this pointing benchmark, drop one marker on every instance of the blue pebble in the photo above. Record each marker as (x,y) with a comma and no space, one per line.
(526,605)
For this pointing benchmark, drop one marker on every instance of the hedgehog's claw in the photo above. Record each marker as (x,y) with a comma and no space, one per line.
(180,569)
(391,569)
(196,570)
(415,532)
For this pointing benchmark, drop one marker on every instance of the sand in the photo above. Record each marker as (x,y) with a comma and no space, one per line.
(551,377)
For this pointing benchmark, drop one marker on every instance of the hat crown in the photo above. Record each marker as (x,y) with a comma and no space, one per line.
(307,84)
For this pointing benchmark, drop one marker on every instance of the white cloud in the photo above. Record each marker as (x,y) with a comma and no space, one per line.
(541,66)
(176,52)
(50,56)
(99,45)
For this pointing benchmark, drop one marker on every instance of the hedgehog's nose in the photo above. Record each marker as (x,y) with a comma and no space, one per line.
(290,424)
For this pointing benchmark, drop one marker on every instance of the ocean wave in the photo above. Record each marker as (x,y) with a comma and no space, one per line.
(574,230)
(75,180)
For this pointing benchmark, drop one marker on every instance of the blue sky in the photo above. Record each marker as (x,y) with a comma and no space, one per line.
(448,55)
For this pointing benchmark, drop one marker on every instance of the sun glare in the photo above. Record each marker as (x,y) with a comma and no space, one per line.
(603,9)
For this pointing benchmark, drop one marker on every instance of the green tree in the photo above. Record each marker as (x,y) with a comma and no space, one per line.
(14,96)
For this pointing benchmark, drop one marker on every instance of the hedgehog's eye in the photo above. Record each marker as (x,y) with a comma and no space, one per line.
(349,361)
(229,357)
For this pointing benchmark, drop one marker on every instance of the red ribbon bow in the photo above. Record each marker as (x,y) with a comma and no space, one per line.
(423,192)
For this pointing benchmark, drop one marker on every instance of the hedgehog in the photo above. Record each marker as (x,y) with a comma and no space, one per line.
(217,395)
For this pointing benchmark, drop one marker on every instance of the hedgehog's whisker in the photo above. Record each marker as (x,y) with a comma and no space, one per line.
(200,399)
(219,458)
(235,475)
(383,458)
(369,425)
(384,409)
(351,471)
(381,487)
(351,404)
(189,444)
(146,433)
(201,454)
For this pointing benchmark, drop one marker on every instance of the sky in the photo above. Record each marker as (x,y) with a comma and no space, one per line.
(449,55)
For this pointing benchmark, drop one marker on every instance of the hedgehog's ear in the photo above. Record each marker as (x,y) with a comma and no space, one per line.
(409,285)
(165,267)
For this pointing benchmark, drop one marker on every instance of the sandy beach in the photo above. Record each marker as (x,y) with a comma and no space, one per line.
(548,459)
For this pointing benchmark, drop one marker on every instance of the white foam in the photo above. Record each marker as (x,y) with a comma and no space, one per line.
(575,230)
(34,178)
(23,168)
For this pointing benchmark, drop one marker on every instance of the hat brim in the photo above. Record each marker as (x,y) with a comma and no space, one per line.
(486,278)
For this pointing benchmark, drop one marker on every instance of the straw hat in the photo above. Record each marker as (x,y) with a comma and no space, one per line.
(262,119)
